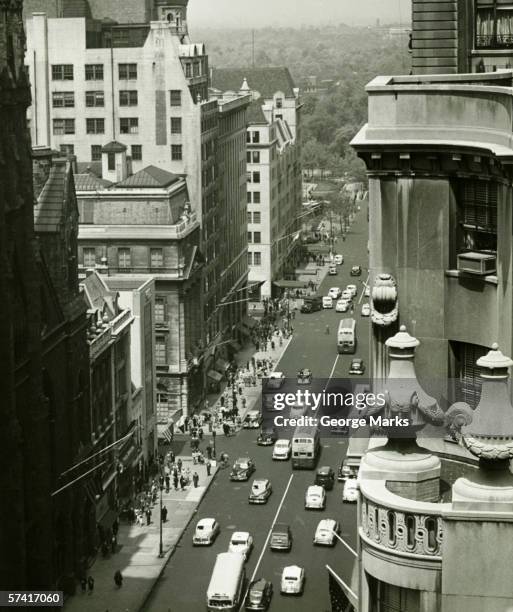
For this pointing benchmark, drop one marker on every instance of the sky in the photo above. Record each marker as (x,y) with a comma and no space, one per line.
(295,13)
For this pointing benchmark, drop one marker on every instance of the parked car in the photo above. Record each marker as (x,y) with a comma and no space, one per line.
(325,532)
(292,580)
(350,492)
(275,380)
(281,537)
(315,498)
(206,532)
(366,310)
(282,450)
(342,305)
(346,471)
(339,259)
(304,376)
(261,490)
(357,367)
(325,477)
(253,419)
(327,302)
(335,293)
(356,271)
(332,271)
(241,542)
(242,469)
(259,595)
(353,289)
(311,304)
(267,436)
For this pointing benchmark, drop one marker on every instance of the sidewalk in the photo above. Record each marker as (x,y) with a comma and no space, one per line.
(138,548)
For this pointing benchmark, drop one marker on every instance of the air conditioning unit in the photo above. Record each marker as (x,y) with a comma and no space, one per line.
(477,263)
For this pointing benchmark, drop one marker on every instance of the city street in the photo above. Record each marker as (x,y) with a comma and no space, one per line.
(182,586)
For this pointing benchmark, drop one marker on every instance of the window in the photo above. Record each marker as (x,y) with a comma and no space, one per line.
(160,350)
(410,531)
(256,177)
(136,152)
(250,258)
(160,310)
(256,157)
(188,71)
(96,152)
(124,258)
(249,217)
(176,97)
(385,597)
(62,72)
(248,196)
(256,136)
(257,237)
(257,258)
(477,215)
(196,69)
(176,152)
(94,72)
(94,98)
(111,161)
(469,374)
(279,116)
(63,99)
(63,126)
(129,125)
(128,97)
(391,528)
(493,24)
(256,217)
(248,157)
(156,258)
(279,102)
(95,126)
(89,257)
(248,137)
(431,533)
(67,149)
(127,71)
(176,125)
(249,238)
(256,197)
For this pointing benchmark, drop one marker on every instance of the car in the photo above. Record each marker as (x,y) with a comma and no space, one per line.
(267,436)
(353,289)
(311,304)
(356,271)
(342,305)
(346,471)
(261,490)
(292,580)
(327,302)
(325,477)
(347,296)
(350,492)
(242,469)
(366,310)
(325,532)
(366,293)
(315,498)
(282,450)
(241,542)
(357,367)
(339,259)
(253,419)
(206,532)
(281,537)
(275,380)
(304,376)
(259,595)
(332,271)
(335,293)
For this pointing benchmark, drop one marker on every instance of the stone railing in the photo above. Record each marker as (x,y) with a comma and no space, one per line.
(402,531)
(100,342)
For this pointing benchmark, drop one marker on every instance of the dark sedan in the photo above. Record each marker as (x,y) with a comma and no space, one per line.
(259,595)
(242,469)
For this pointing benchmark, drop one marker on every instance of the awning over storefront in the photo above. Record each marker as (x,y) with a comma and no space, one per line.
(249,322)
(214,375)
(290,284)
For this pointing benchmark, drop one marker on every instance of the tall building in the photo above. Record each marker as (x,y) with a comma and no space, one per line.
(274,185)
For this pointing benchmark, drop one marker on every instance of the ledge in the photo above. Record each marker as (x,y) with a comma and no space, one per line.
(491,279)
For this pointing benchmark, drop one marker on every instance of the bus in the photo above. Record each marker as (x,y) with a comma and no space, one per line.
(346,336)
(225,590)
(306,446)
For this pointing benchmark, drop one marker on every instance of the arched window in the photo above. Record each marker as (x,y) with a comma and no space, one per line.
(431,533)
(391,528)
(410,531)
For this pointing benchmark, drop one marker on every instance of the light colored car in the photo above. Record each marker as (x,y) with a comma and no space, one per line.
(350,492)
(261,490)
(275,380)
(241,542)
(206,532)
(325,532)
(357,367)
(327,302)
(365,310)
(347,295)
(335,293)
(352,289)
(339,259)
(332,271)
(342,305)
(315,498)
(253,419)
(282,450)
(292,580)
(367,291)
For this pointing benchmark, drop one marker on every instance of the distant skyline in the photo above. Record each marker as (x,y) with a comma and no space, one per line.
(295,13)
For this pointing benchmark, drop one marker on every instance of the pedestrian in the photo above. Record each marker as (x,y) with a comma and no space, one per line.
(115,527)
(148,516)
(209,451)
(179,465)
(83,584)
(209,467)
(171,457)
(195,479)
(167,479)
(175,481)
(90,585)
(327,330)
(118,579)
(163,514)
(113,544)
(182,483)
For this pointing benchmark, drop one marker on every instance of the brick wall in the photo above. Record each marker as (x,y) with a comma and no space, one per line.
(427,490)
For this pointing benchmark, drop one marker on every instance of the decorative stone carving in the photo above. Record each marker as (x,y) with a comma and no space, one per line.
(384,300)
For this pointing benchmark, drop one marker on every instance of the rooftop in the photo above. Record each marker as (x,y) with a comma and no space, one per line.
(90,182)
(266,81)
(151,176)
(49,208)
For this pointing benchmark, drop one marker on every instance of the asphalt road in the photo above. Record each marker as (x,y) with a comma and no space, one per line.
(183,584)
